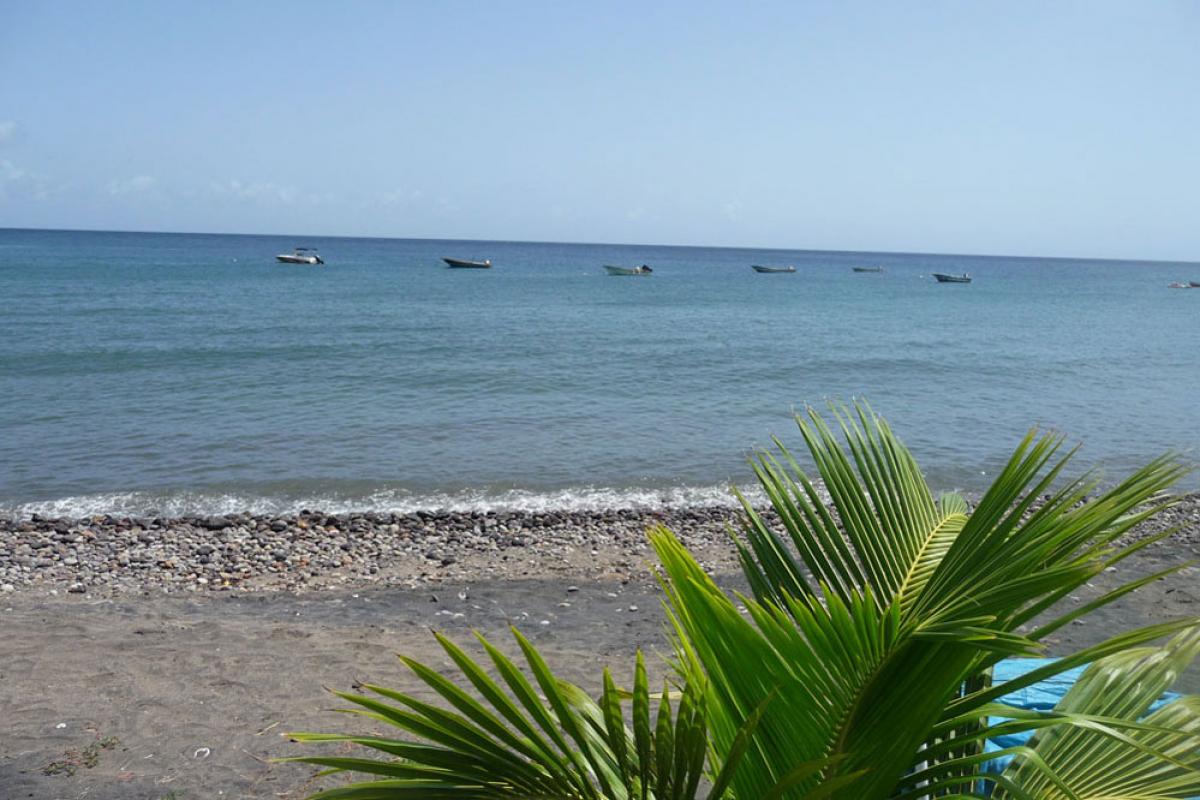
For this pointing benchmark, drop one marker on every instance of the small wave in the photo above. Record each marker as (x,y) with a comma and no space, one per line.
(398,501)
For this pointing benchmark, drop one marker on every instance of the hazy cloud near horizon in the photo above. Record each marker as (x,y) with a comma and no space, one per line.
(135,185)
(1015,127)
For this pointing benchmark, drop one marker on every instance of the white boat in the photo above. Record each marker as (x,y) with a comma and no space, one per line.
(757,268)
(944,278)
(642,270)
(301,255)
(460,263)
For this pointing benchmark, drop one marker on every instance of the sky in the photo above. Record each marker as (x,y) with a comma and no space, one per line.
(1026,128)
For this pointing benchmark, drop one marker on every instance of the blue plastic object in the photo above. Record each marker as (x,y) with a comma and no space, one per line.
(1041,696)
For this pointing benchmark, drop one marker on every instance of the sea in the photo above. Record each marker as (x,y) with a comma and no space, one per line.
(177,373)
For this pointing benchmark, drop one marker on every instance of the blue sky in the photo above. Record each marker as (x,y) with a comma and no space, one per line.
(1033,128)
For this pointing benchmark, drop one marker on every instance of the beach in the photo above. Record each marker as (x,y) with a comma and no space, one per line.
(139,681)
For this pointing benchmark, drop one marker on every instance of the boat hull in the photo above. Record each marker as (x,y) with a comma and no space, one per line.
(943,278)
(867,269)
(626,270)
(283,259)
(458,263)
(771,270)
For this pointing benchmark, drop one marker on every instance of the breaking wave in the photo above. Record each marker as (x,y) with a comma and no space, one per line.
(201,502)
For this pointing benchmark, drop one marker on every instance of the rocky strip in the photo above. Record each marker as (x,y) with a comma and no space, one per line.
(106,555)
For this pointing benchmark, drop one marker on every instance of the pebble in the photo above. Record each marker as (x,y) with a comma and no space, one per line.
(107,555)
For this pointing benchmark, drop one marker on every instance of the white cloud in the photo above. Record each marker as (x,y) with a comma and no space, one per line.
(8,131)
(10,172)
(17,182)
(135,185)
(401,196)
(258,191)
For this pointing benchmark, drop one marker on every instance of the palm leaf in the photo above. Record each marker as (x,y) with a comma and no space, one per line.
(1159,760)
(872,618)
(512,742)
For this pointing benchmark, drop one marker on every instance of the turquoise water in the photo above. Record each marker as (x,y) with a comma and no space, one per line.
(156,372)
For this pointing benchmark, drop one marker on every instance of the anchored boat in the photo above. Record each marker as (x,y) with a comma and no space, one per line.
(867,269)
(301,255)
(642,270)
(757,268)
(459,263)
(944,278)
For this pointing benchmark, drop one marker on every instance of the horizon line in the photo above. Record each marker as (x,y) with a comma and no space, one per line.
(615,244)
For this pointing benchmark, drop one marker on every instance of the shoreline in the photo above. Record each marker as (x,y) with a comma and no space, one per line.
(104,555)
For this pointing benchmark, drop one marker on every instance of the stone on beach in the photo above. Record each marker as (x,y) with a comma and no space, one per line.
(107,555)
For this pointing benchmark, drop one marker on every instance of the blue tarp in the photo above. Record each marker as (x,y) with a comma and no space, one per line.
(1041,696)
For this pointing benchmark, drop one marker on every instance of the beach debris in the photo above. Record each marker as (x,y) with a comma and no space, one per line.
(202,752)
(61,725)
(88,757)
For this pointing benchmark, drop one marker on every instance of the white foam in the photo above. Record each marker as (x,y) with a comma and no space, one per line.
(184,503)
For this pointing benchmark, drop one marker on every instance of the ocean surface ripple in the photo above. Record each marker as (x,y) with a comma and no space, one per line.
(174,374)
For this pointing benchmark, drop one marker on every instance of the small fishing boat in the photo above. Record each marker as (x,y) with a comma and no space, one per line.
(1178,285)
(642,270)
(944,278)
(301,255)
(867,269)
(1194,284)
(757,268)
(459,263)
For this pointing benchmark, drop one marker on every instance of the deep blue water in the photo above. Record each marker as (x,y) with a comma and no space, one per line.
(177,372)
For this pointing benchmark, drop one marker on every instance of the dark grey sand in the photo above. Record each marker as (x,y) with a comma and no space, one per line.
(197,682)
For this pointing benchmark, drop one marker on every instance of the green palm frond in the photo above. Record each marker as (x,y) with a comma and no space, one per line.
(1160,759)
(874,618)
(512,740)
